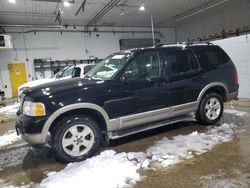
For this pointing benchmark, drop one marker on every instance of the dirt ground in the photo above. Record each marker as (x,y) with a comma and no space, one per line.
(226,165)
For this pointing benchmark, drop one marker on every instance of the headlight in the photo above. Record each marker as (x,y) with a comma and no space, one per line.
(34,108)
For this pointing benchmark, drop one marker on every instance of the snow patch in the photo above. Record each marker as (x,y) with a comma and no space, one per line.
(2,185)
(171,151)
(235,112)
(10,109)
(9,138)
(107,170)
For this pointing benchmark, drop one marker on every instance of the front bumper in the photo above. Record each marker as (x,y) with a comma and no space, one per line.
(36,139)
(30,128)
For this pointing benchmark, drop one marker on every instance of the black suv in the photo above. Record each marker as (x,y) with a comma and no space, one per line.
(128,92)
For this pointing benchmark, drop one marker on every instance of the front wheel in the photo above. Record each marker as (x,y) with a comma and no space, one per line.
(210,109)
(76,138)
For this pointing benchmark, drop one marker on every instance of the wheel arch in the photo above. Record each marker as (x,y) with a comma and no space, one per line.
(95,111)
(217,87)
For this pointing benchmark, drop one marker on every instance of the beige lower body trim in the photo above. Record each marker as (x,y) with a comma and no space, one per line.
(35,138)
(151,116)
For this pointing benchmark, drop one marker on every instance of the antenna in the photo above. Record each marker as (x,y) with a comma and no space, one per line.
(153,32)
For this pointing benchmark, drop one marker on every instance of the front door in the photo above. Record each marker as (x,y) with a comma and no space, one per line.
(17,76)
(146,92)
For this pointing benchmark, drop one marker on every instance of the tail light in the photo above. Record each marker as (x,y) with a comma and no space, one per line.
(236,78)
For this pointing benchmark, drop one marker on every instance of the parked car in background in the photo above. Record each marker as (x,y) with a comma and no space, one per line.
(127,93)
(78,70)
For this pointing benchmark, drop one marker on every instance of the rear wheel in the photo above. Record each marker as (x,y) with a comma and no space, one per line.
(210,109)
(76,138)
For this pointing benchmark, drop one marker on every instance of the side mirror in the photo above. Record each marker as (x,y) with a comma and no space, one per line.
(76,72)
(129,76)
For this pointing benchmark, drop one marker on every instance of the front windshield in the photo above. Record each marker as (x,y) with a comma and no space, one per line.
(108,67)
(67,71)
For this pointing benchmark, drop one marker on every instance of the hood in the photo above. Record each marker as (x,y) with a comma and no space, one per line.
(62,87)
(36,83)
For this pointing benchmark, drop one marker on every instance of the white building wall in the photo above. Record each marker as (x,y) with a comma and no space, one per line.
(238,48)
(69,45)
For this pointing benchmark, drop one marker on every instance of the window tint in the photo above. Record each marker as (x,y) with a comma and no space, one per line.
(213,57)
(146,65)
(224,58)
(177,61)
(192,60)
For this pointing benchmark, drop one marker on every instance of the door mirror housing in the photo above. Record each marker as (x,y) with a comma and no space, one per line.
(76,72)
(129,76)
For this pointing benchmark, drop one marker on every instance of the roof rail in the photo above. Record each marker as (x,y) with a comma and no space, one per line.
(184,43)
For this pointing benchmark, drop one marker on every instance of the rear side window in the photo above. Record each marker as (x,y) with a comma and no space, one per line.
(176,62)
(212,57)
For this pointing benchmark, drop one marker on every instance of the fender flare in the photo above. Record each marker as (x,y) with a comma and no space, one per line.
(70,107)
(209,86)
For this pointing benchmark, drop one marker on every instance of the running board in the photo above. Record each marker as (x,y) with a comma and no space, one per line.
(146,127)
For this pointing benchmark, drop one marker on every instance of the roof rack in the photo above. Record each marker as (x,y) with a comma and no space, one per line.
(184,44)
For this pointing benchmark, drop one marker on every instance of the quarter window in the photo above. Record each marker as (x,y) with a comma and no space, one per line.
(213,57)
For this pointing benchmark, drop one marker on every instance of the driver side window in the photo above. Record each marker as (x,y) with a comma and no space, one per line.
(145,66)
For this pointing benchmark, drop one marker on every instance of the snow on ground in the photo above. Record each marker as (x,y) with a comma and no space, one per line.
(107,170)
(2,185)
(10,109)
(8,138)
(235,112)
(112,170)
(172,151)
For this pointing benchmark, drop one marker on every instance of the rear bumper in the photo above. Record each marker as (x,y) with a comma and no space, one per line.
(232,96)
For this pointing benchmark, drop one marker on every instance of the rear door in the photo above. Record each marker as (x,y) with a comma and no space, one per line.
(183,74)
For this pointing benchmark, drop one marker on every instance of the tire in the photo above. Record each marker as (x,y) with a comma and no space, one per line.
(210,109)
(76,138)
